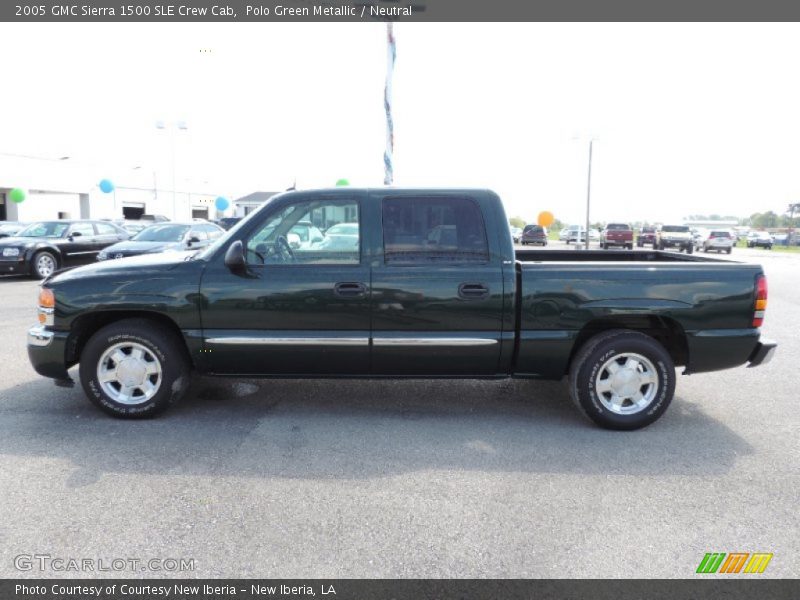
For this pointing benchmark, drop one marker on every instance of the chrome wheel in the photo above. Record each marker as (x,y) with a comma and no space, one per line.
(627,383)
(129,373)
(45,265)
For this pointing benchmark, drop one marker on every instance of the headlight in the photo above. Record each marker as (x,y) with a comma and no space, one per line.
(102,255)
(10,251)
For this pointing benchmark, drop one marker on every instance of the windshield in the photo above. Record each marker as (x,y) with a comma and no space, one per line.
(617,226)
(161,233)
(223,239)
(675,229)
(48,229)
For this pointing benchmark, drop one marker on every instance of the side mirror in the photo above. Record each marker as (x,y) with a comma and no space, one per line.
(294,240)
(75,234)
(234,257)
(192,240)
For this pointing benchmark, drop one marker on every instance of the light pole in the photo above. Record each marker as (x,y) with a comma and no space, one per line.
(181,126)
(588,193)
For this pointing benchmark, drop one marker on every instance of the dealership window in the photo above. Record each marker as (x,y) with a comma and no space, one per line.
(421,230)
(319,232)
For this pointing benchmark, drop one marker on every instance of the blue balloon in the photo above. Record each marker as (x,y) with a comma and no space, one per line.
(222,203)
(106,186)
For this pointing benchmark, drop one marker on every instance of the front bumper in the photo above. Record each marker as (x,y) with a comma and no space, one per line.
(674,243)
(47,352)
(762,353)
(12,267)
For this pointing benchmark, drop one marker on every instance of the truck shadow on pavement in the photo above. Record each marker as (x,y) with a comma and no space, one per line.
(345,429)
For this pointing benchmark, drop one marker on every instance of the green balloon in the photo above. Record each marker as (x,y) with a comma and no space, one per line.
(342,182)
(17,195)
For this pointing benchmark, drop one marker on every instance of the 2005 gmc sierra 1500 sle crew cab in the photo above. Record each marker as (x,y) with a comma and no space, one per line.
(398,283)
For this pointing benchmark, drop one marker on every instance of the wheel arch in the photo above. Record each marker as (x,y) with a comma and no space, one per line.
(40,247)
(665,330)
(85,326)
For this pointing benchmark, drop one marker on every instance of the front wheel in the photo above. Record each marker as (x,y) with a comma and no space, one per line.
(134,369)
(44,264)
(622,379)
(690,250)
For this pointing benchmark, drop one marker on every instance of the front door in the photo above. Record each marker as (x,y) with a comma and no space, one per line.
(437,293)
(81,243)
(302,306)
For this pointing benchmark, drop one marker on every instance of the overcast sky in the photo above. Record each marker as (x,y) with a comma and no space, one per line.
(688,119)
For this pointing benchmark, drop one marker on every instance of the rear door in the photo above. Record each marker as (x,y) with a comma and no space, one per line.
(437,290)
(107,234)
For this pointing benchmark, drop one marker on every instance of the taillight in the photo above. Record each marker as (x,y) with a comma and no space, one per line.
(761,301)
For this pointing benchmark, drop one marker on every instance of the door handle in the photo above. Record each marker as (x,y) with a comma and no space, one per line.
(350,289)
(472,291)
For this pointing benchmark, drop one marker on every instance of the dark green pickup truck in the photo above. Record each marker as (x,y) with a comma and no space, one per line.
(398,283)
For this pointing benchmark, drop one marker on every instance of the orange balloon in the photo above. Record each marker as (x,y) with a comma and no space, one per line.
(545,218)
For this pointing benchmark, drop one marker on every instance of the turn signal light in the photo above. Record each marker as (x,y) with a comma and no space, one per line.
(761,301)
(47,298)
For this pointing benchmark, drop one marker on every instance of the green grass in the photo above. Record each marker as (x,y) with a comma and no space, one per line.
(775,247)
(779,248)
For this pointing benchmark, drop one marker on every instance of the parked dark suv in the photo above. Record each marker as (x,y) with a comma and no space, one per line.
(647,235)
(534,234)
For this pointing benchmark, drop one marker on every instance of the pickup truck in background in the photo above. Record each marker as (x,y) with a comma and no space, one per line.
(647,236)
(429,286)
(617,234)
(675,236)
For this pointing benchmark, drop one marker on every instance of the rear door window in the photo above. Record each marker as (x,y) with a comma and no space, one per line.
(424,230)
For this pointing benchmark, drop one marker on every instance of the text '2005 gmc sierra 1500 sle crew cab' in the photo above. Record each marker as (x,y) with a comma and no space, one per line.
(398,283)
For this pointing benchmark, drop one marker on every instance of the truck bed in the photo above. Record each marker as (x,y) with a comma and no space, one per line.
(542,255)
(701,304)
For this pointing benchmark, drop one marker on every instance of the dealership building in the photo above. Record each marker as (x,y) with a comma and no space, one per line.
(61,188)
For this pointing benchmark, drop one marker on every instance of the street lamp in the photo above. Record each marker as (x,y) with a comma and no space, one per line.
(179,126)
(588,192)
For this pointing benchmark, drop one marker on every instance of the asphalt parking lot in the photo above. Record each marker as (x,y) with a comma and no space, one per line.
(404,479)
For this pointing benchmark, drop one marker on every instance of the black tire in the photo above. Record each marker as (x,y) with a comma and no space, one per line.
(158,343)
(640,244)
(598,352)
(730,250)
(690,250)
(38,261)
(629,246)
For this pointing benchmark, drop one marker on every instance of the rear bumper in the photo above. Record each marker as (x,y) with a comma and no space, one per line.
(47,352)
(762,353)
(717,349)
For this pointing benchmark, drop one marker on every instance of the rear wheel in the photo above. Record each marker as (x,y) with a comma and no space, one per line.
(690,249)
(622,379)
(133,368)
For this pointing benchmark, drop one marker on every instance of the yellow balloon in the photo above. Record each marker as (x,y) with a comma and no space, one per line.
(545,218)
